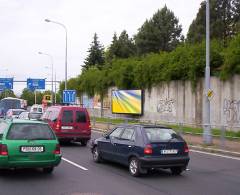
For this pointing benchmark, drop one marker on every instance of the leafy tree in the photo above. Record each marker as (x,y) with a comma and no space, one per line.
(28,95)
(161,33)
(231,59)
(224,21)
(122,47)
(7,93)
(96,55)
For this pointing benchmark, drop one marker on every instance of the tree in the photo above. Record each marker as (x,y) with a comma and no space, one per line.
(7,93)
(161,33)
(96,55)
(28,95)
(122,47)
(224,21)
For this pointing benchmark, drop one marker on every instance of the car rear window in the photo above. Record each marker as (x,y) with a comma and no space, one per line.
(67,116)
(81,117)
(16,112)
(21,131)
(155,134)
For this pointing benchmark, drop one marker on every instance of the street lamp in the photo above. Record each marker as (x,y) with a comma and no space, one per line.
(41,53)
(47,20)
(207,136)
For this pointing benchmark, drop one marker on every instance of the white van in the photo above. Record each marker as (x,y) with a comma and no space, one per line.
(36,108)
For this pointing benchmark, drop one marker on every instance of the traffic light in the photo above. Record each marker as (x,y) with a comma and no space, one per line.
(47,98)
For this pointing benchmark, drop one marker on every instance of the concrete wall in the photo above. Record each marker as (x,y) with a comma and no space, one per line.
(177,102)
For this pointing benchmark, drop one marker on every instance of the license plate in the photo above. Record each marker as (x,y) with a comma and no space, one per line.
(67,127)
(169,151)
(32,149)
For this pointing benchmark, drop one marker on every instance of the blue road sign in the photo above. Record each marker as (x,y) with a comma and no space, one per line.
(6,83)
(33,84)
(69,96)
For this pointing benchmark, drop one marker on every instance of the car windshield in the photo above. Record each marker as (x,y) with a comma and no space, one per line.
(20,131)
(155,134)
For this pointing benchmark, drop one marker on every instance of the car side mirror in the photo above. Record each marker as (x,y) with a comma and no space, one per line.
(106,136)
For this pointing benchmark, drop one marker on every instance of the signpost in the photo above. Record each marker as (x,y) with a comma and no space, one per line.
(34,84)
(6,83)
(69,96)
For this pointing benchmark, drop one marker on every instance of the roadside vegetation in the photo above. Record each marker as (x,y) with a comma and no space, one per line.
(159,52)
(229,134)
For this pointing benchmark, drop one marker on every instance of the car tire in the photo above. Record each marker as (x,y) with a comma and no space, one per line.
(176,170)
(48,170)
(96,156)
(83,142)
(134,167)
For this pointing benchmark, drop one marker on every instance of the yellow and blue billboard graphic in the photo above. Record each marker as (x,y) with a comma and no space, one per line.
(127,101)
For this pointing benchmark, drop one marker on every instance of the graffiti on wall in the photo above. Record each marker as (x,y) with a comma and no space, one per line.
(231,109)
(166,106)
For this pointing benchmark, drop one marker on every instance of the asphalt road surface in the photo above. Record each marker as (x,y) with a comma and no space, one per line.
(79,175)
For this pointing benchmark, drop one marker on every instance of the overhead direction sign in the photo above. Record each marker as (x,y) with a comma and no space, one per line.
(6,83)
(69,96)
(33,84)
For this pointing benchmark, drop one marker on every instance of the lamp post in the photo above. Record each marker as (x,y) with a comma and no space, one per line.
(207,136)
(41,53)
(47,20)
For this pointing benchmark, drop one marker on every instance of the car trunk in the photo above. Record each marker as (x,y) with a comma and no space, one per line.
(31,150)
(168,148)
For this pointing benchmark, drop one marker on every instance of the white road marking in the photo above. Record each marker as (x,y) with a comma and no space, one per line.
(218,155)
(75,164)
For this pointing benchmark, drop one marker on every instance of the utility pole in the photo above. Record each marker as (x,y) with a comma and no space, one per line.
(207,134)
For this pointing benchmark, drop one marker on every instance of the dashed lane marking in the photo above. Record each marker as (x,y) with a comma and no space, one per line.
(75,164)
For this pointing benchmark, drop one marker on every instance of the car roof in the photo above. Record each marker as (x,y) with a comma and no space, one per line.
(74,107)
(144,125)
(24,121)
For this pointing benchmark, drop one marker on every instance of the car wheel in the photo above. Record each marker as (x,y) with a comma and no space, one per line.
(176,170)
(134,167)
(83,142)
(48,170)
(96,156)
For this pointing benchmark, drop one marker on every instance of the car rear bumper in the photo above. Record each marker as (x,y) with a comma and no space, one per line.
(5,163)
(164,162)
(73,136)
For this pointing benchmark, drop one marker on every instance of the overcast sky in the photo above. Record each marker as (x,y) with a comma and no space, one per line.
(24,33)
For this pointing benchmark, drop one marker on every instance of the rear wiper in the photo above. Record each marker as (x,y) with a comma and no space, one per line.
(39,138)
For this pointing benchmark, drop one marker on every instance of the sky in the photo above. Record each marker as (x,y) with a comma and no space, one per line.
(24,32)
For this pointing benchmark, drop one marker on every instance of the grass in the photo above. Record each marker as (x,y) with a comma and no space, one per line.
(184,129)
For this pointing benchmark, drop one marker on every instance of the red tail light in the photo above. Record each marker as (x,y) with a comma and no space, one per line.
(148,149)
(57,150)
(186,149)
(58,125)
(3,150)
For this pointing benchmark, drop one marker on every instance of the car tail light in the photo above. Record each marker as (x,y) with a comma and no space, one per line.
(148,149)
(57,149)
(186,149)
(3,150)
(58,125)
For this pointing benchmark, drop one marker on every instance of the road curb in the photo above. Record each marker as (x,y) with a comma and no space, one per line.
(200,148)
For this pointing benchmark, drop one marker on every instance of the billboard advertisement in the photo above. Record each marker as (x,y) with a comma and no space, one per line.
(127,102)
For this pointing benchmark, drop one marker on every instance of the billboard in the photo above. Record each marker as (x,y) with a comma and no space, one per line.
(127,102)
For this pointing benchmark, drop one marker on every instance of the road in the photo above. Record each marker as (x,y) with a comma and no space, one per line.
(207,175)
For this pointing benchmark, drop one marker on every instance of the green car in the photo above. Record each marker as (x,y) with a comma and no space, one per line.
(28,144)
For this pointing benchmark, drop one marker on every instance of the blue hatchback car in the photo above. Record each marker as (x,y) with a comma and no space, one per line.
(143,148)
